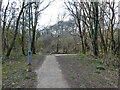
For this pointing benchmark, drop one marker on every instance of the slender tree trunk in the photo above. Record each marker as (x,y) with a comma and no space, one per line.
(7,34)
(3,30)
(111,27)
(33,41)
(119,42)
(75,45)
(95,47)
(102,39)
(81,36)
(57,43)
(0,46)
(91,22)
(15,34)
(112,39)
(34,32)
(0,31)
(101,26)
(119,30)
(23,33)
(84,33)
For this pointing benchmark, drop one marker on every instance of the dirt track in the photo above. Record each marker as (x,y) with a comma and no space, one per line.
(82,74)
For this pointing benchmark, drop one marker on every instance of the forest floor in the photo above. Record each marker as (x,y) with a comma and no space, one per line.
(15,72)
(78,70)
(85,71)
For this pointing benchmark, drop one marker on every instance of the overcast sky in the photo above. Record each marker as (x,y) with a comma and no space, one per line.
(49,16)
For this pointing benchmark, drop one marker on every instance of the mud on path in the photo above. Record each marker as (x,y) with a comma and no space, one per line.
(80,73)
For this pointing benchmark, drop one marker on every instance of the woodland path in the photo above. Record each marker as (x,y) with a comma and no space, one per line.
(50,75)
(63,71)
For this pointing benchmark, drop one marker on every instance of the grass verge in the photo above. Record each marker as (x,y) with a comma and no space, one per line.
(15,72)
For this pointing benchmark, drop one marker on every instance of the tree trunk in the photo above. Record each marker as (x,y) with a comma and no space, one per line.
(81,36)
(34,32)
(3,30)
(7,35)
(23,33)
(95,47)
(15,34)
(119,43)
(84,33)
(91,33)
(112,33)
(103,41)
(33,40)
(0,30)
(119,31)
(57,44)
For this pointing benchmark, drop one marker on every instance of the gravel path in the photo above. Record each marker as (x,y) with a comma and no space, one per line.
(50,75)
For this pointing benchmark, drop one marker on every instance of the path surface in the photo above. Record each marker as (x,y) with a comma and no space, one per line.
(50,75)
(63,54)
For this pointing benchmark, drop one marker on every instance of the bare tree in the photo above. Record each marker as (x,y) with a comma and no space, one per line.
(95,45)
(119,42)
(37,13)
(23,34)
(3,30)
(15,33)
(0,28)
(77,15)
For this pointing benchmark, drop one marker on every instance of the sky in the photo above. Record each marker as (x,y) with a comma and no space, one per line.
(50,15)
